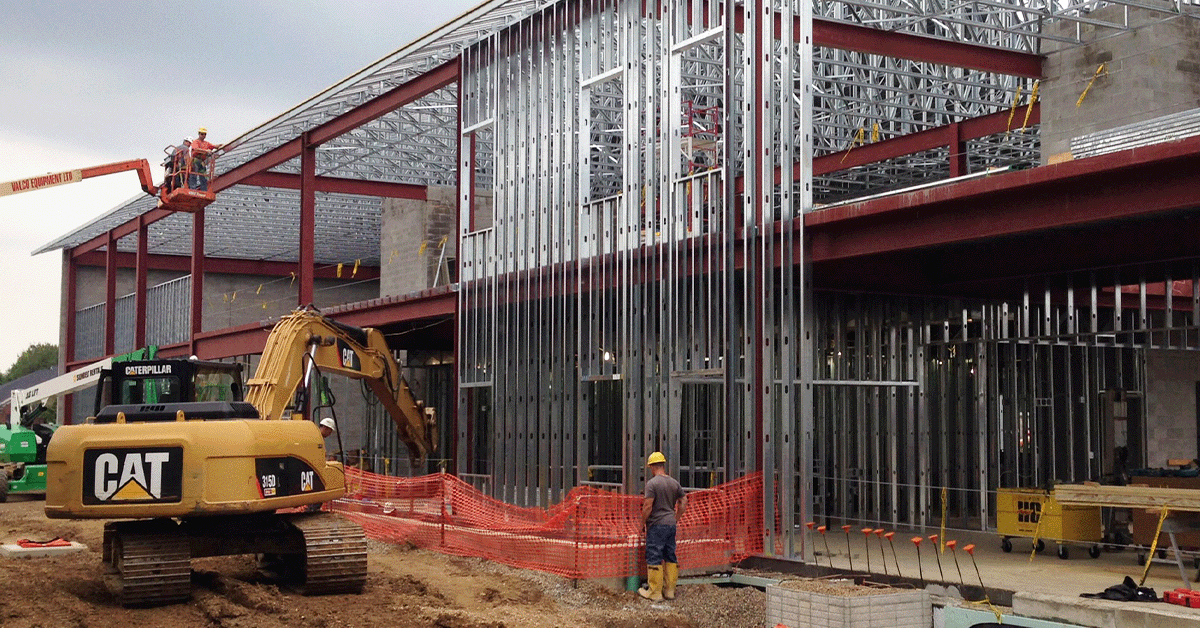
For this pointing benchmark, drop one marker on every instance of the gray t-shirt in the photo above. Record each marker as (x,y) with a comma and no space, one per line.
(665,492)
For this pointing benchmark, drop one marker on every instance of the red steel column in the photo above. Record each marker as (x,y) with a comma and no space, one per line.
(308,220)
(958,150)
(197,278)
(65,412)
(141,272)
(110,295)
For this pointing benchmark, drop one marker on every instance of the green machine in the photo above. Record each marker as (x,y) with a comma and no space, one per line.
(23,439)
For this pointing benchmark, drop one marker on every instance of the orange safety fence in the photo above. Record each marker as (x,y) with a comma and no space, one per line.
(592,533)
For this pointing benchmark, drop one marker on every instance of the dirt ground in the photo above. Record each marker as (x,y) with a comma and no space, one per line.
(406,588)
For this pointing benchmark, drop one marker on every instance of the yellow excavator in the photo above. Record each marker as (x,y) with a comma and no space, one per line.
(205,478)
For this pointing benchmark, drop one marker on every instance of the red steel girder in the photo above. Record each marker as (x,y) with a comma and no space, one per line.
(224,265)
(1125,184)
(339,185)
(929,139)
(373,109)
(844,36)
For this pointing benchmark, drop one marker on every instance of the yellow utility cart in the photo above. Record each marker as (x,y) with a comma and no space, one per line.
(1033,513)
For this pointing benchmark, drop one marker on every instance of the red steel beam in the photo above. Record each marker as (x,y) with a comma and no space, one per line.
(141,278)
(843,36)
(1121,185)
(110,296)
(340,185)
(197,281)
(72,276)
(929,139)
(369,111)
(224,265)
(119,232)
(308,221)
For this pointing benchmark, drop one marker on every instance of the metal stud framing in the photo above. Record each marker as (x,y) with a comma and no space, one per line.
(625,262)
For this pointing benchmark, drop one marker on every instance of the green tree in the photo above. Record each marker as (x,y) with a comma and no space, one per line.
(31,360)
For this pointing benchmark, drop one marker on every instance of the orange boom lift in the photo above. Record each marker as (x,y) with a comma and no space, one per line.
(172,197)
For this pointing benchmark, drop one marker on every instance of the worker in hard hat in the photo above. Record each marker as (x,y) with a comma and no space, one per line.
(661,510)
(327,426)
(202,151)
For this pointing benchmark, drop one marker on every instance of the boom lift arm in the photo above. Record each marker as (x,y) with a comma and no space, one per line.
(359,353)
(39,182)
(176,193)
(63,384)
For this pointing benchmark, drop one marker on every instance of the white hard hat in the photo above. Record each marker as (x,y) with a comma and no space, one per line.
(328,422)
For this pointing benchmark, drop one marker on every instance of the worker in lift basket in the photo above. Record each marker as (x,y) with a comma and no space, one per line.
(202,151)
(661,510)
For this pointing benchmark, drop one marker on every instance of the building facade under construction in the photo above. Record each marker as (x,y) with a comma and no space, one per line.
(893,255)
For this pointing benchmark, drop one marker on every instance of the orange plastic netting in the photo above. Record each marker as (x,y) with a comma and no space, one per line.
(591,534)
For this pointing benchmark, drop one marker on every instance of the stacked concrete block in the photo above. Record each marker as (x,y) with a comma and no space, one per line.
(1150,71)
(1171,378)
(855,607)
(418,241)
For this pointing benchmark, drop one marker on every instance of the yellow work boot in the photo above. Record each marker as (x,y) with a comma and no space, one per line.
(670,576)
(652,590)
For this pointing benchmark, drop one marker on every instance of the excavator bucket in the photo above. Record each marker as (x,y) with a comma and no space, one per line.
(185,200)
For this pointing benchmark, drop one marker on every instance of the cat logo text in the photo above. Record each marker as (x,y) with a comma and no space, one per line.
(133,476)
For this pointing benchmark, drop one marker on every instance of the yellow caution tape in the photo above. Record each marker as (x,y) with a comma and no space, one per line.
(1154,545)
(1013,109)
(259,291)
(875,132)
(234,297)
(339,270)
(355,271)
(293,277)
(1095,76)
(421,251)
(442,242)
(1032,99)
(857,139)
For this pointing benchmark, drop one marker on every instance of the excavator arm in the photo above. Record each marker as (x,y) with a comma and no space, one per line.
(304,339)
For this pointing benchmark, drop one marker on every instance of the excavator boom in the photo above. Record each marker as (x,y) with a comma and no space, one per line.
(332,347)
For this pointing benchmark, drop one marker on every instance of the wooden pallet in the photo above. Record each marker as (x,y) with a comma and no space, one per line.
(1152,498)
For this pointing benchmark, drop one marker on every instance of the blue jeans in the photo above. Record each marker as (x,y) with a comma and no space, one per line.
(660,545)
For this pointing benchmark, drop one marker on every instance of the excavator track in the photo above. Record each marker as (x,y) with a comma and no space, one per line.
(152,560)
(335,554)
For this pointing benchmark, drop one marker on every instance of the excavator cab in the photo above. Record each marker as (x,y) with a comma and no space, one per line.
(185,186)
(168,381)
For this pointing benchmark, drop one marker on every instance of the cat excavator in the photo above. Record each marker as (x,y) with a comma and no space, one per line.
(205,478)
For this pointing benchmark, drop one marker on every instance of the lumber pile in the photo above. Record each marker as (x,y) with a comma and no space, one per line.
(1154,498)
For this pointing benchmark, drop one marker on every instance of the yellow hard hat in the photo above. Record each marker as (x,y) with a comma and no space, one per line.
(203,130)
(656,458)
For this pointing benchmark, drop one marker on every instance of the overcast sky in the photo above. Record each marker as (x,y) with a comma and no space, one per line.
(84,84)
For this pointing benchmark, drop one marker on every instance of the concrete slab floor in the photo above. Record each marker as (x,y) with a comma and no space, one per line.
(1014,571)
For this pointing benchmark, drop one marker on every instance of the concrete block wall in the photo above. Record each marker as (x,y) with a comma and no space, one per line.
(407,224)
(230,300)
(1171,378)
(1152,71)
